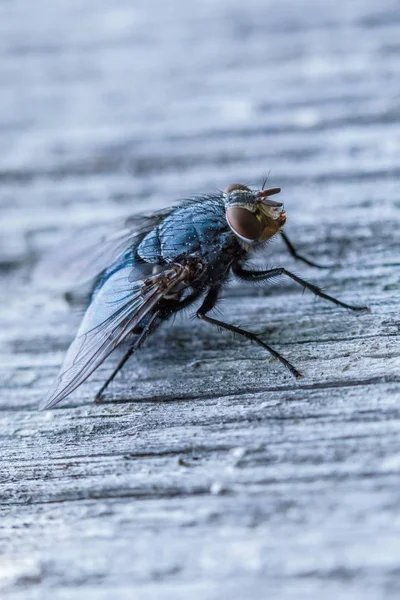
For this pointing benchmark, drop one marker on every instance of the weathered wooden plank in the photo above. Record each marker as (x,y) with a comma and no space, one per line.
(208,472)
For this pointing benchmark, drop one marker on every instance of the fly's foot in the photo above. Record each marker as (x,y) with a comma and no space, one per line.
(296,374)
(359,308)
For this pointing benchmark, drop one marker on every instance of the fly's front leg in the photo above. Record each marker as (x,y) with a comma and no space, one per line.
(208,304)
(297,256)
(270,273)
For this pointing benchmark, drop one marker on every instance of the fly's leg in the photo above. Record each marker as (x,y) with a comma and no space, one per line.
(99,396)
(270,273)
(176,305)
(208,304)
(297,256)
(144,334)
(162,314)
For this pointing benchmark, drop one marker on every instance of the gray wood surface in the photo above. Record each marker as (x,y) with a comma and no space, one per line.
(208,472)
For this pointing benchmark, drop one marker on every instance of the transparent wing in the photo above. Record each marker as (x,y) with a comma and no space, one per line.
(118,307)
(81,258)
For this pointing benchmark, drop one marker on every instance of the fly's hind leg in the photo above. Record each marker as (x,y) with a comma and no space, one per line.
(208,304)
(162,314)
(145,331)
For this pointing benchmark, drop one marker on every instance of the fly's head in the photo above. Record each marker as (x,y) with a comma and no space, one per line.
(251,215)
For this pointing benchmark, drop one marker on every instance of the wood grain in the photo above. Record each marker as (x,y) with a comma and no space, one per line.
(208,472)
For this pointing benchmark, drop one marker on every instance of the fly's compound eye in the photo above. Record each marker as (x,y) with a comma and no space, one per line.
(244,224)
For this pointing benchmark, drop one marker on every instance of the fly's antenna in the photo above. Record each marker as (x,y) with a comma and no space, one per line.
(265,181)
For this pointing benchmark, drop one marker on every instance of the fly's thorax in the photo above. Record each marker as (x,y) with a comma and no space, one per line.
(251,215)
(197,228)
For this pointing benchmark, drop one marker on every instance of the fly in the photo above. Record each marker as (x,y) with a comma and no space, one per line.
(158,265)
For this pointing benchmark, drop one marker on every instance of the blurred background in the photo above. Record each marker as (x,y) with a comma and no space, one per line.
(215,476)
(110,107)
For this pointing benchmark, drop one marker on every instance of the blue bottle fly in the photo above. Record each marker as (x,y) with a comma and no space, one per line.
(158,265)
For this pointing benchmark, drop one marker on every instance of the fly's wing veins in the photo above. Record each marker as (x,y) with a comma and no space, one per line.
(117,308)
(81,258)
